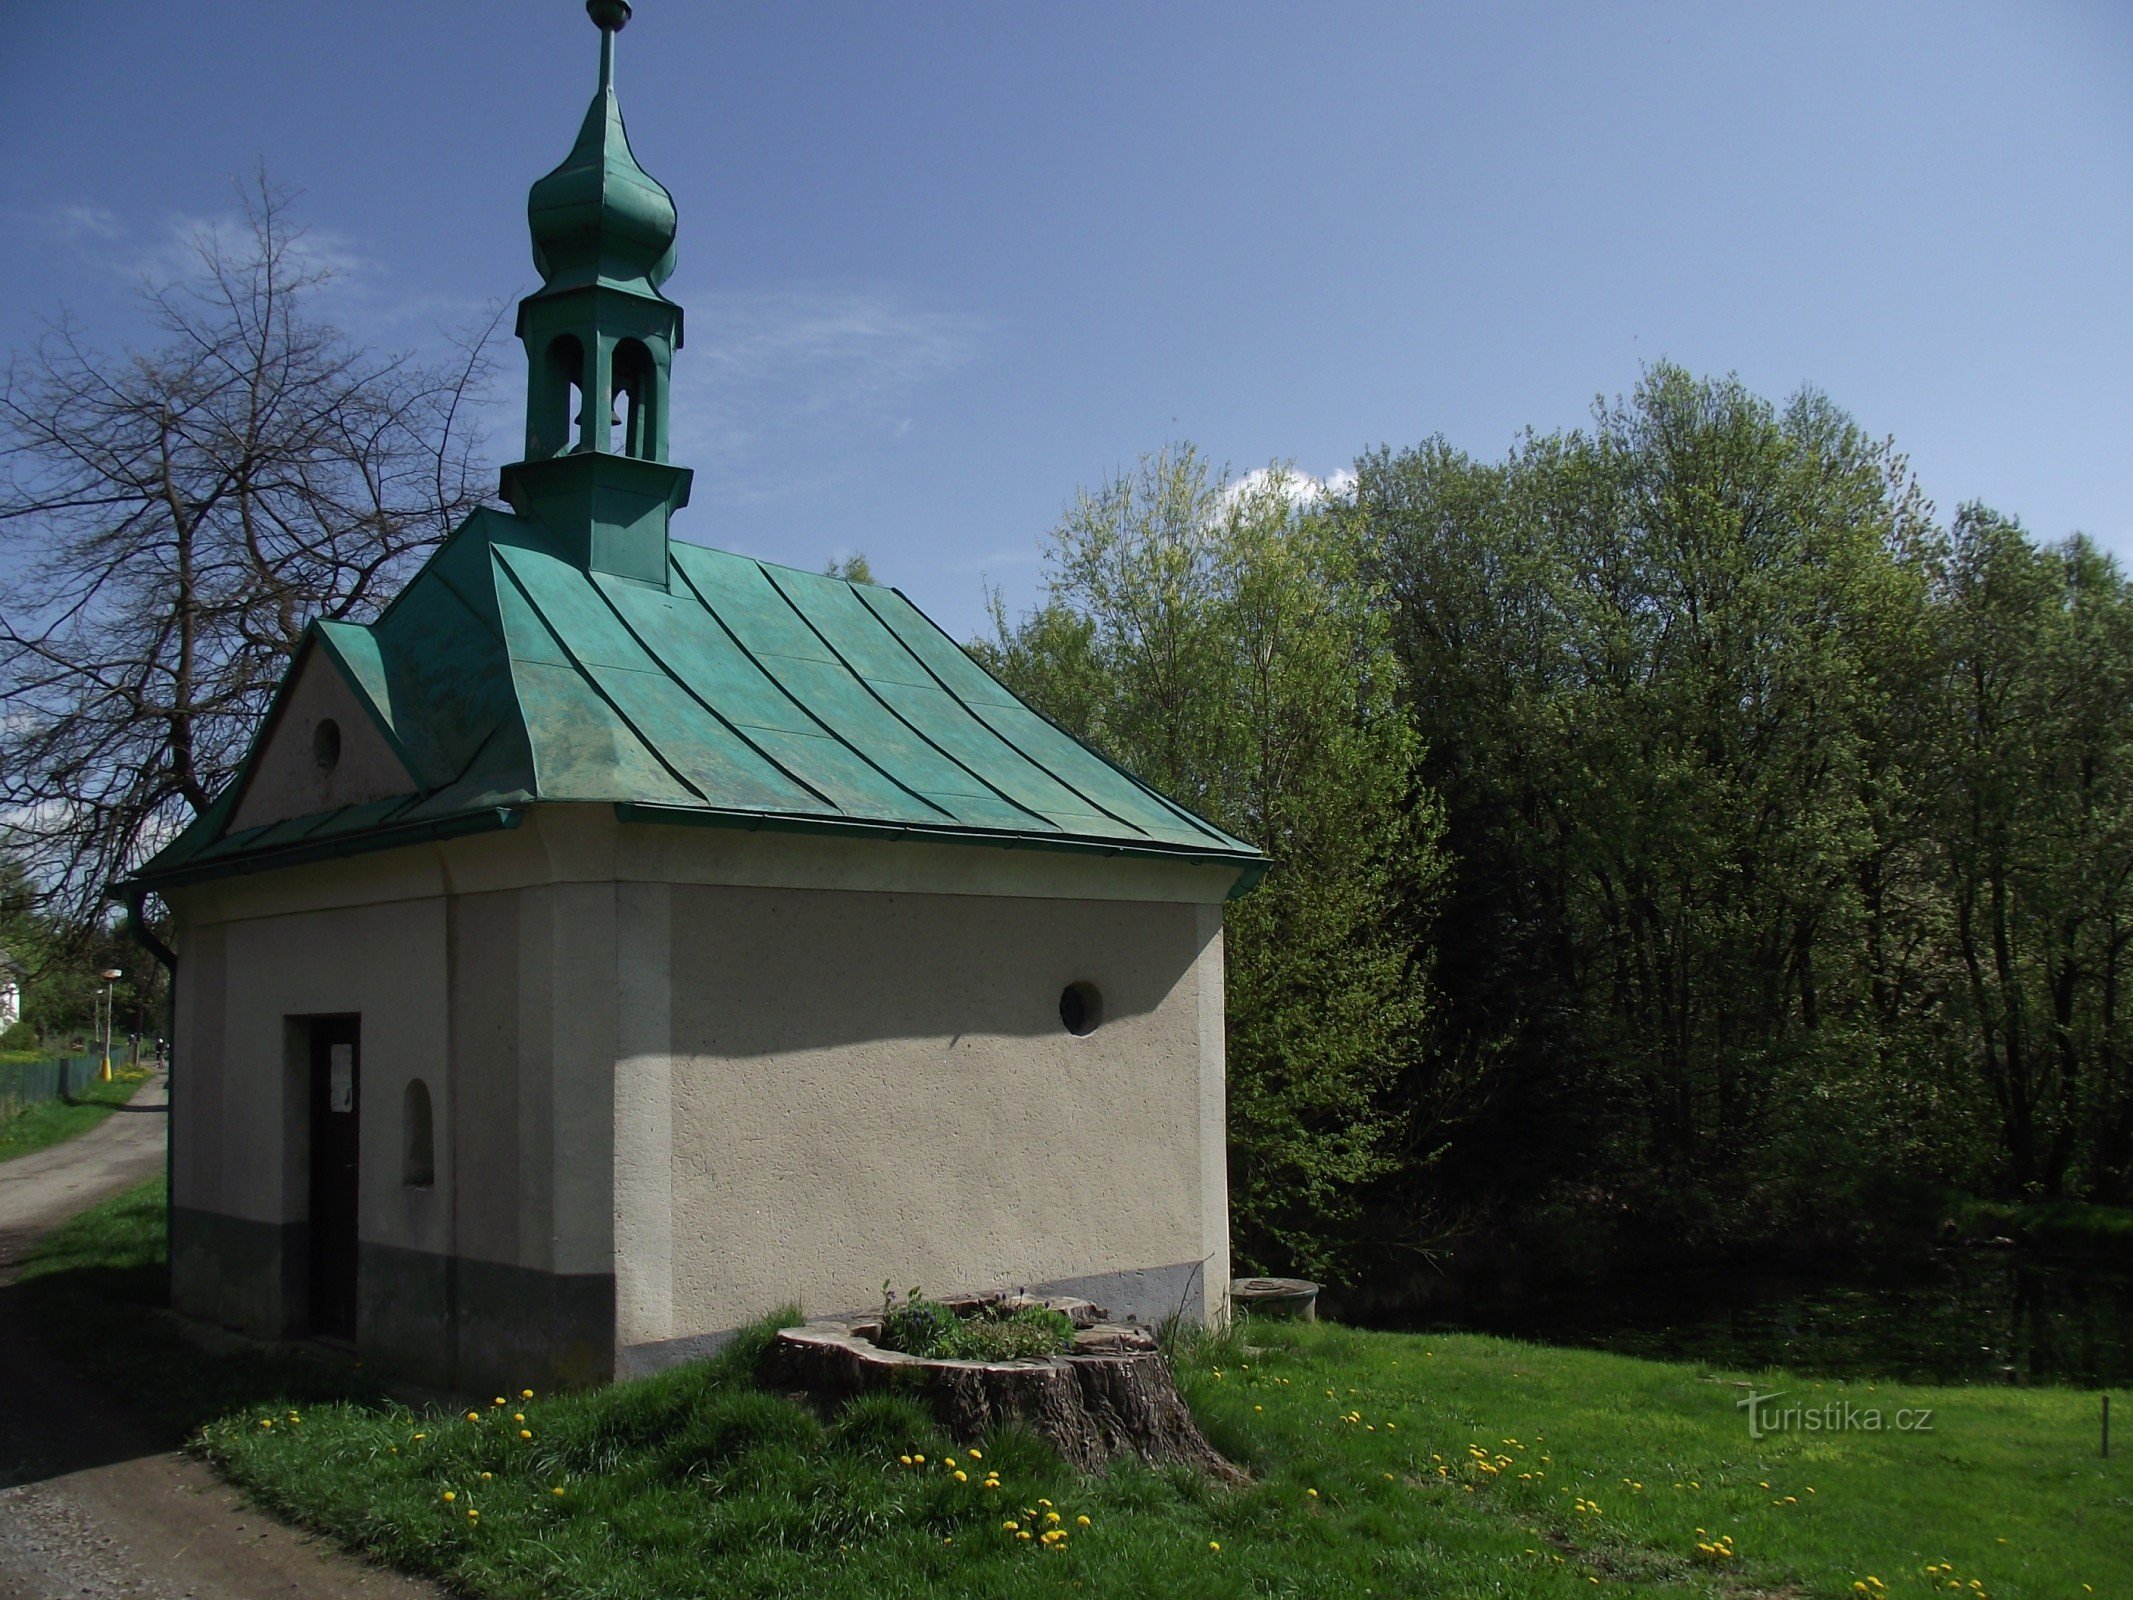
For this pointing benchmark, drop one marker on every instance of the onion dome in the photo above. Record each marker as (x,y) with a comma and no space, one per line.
(599,217)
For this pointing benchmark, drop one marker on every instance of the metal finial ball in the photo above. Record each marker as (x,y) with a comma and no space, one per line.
(609,16)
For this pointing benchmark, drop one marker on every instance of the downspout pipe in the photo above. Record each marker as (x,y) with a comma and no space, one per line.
(133,897)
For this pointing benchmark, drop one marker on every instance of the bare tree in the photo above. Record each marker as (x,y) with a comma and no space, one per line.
(172,520)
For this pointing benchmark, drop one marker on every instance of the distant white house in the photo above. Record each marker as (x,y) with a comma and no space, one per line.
(11,976)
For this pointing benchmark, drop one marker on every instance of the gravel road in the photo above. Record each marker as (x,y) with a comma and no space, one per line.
(90,1504)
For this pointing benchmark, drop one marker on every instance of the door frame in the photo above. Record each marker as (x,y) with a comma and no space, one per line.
(330,1304)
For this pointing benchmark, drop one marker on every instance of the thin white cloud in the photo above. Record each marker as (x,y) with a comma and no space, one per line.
(775,374)
(81,222)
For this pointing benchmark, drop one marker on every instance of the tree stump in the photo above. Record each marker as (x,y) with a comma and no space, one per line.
(1113,1396)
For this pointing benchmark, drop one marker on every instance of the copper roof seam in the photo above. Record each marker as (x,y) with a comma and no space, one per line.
(1222,840)
(659,663)
(861,679)
(578,665)
(1100,809)
(802,706)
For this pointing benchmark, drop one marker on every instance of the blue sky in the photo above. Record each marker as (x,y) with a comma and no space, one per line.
(943,263)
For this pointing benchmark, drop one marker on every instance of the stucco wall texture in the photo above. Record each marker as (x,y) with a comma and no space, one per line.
(682,1077)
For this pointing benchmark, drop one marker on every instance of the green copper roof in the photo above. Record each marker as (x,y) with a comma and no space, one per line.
(568,650)
(741,693)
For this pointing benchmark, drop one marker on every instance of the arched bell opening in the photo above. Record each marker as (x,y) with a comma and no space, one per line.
(636,399)
(556,404)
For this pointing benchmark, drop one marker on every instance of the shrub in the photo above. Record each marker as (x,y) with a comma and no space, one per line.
(19,1036)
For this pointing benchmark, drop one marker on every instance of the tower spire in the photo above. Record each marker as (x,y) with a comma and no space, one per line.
(600,339)
(610,17)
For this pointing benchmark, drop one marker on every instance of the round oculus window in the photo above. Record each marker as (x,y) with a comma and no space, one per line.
(1081,1008)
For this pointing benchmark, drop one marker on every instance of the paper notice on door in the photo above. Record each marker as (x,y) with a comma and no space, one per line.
(341,1078)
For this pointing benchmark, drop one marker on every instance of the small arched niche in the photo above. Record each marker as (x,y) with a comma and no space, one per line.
(326,746)
(418,1137)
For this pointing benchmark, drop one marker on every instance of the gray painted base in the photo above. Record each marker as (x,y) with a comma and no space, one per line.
(1146,1295)
(251,1276)
(444,1320)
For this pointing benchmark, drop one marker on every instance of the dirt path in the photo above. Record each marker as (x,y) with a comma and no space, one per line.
(90,1506)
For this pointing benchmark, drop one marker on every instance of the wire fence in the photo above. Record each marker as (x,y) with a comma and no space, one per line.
(26,1083)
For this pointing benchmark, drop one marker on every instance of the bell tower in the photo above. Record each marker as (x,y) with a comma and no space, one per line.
(600,341)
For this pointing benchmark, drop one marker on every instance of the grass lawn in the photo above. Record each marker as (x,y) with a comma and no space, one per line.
(1388,1464)
(50,1121)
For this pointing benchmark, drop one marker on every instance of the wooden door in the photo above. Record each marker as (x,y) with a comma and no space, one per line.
(336,1150)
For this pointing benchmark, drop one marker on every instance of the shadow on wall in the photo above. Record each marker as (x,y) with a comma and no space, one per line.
(766,972)
(772,971)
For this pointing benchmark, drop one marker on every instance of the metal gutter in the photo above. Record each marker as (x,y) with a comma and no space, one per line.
(487,820)
(1251,868)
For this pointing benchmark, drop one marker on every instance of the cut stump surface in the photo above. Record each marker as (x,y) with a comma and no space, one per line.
(1113,1396)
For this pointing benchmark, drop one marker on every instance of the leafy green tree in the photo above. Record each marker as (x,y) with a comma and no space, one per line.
(1647,662)
(2035,782)
(1221,641)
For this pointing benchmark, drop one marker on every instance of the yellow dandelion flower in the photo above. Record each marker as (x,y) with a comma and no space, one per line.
(1010,1525)
(525,1394)
(1312,1493)
(500,1400)
(1024,1534)
(557,1491)
(1214,1546)
(518,1416)
(450,1495)
(962,1477)
(918,1460)
(976,1454)
(525,1433)
(905,1460)
(473,1515)
(486,1476)
(947,1461)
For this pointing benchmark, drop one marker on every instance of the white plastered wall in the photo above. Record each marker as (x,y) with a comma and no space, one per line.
(737,1070)
(821,1088)
(240,1094)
